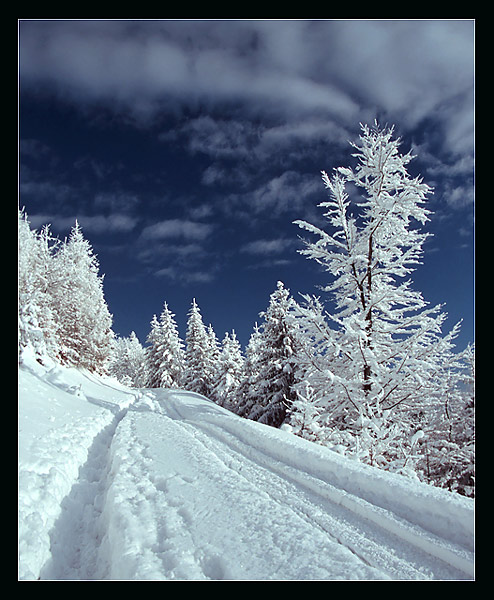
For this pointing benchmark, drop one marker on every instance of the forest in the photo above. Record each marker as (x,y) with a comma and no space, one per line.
(375,378)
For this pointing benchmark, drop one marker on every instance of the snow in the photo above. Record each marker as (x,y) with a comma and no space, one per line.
(155,484)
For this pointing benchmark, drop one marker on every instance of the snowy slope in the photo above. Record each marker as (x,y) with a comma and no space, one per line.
(160,484)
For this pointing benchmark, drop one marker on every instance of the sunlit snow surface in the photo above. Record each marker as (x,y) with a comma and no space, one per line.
(117,483)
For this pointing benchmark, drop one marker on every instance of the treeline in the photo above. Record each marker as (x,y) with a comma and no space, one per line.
(271,382)
(258,384)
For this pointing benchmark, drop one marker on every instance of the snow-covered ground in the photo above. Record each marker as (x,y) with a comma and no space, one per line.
(116,483)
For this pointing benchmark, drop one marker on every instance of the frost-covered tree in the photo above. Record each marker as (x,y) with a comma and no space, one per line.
(197,352)
(383,358)
(84,333)
(229,371)
(127,360)
(37,321)
(272,393)
(246,394)
(211,360)
(164,363)
(151,359)
(62,310)
(446,454)
(172,351)
(305,413)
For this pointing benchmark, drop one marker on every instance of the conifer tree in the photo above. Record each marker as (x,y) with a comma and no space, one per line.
(197,351)
(246,394)
(164,364)
(305,413)
(170,351)
(134,358)
(37,321)
(152,359)
(211,360)
(84,334)
(229,371)
(276,377)
(445,455)
(127,361)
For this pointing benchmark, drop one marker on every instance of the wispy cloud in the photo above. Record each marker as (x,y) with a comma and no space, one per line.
(458,196)
(177,228)
(338,68)
(286,91)
(96,224)
(269,253)
(290,193)
(267,247)
(136,63)
(178,250)
(217,138)
(184,276)
(51,193)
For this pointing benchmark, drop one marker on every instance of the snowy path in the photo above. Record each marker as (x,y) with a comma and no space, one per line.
(76,535)
(175,487)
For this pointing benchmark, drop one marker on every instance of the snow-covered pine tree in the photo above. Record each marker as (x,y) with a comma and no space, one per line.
(305,414)
(229,371)
(275,380)
(37,322)
(211,359)
(446,454)
(127,360)
(84,333)
(246,394)
(170,352)
(387,359)
(197,350)
(134,357)
(152,358)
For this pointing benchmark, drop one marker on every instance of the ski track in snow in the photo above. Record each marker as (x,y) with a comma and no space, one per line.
(174,487)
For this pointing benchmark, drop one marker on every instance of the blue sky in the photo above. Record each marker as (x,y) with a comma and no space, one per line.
(187,148)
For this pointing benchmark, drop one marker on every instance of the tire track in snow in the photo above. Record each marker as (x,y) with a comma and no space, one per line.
(208,521)
(278,493)
(124,518)
(377,537)
(333,521)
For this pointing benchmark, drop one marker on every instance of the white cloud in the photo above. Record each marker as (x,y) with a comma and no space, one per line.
(52,192)
(219,138)
(98,224)
(410,66)
(178,249)
(458,197)
(267,247)
(138,64)
(177,228)
(118,223)
(33,148)
(291,82)
(288,192)
(254,144)
(115,201)
(184,276)
(406,66)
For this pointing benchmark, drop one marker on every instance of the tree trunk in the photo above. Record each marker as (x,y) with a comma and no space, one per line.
(368,317)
